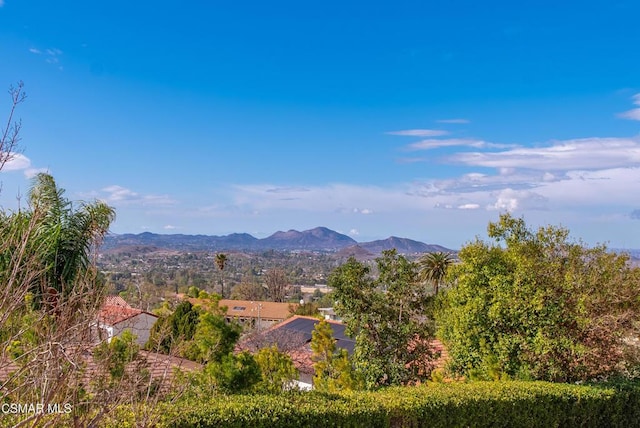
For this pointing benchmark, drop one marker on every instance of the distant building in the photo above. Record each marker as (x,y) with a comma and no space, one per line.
(329,314)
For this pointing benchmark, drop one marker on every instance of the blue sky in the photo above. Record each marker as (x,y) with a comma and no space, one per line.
(408,118)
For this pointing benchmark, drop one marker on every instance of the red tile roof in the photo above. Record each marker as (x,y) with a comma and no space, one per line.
(161,367)
(113,312)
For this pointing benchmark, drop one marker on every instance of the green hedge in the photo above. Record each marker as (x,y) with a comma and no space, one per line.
(476,404)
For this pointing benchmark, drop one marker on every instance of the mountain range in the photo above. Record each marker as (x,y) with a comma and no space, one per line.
(317,239)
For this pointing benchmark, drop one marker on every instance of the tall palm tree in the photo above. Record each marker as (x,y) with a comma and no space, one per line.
(221,261)
(433,268)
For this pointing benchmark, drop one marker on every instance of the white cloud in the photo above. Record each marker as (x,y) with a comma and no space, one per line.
(453,142)
(20,162)
(32,172)
(461,121)
(52,55)
(633,114)
(17,162)
(354,232)
(586,153)
(604,188)
(170,227)
(511,200)
(411,160)
(330,198)
(287,189)
(420,133)
(119,195)
(468,206)
(364,211)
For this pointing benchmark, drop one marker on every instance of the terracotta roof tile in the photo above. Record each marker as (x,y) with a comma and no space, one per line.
(161,367)
(114,314)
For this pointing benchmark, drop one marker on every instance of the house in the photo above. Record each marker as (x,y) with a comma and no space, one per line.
(329,314)
(293,337)
(257,314)
(116,316)
(250,313)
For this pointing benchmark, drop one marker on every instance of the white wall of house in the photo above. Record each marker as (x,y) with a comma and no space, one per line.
(140,325)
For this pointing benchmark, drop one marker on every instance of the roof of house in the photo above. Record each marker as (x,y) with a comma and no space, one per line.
(112,314)
(293,336)
(161,367)
(305,325)
(258,309)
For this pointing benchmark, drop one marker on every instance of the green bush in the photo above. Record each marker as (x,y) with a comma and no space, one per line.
(476,404)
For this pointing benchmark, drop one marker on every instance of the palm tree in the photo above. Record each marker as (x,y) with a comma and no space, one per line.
(221,261)
(67,238)
(433,268)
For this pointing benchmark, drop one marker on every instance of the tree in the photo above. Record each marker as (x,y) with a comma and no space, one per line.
(69,237)
(116,355)
(277,284)
(173,333)
(390,318)
(536,305)
(333,369)
(214,338)
(10,134)
(50,295)
(248,291)
(50,292)
(221,261)
(277,368)
(433,268)
(309,309)
(234,373)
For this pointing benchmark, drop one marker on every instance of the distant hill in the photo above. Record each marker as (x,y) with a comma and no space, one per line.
(403,245)
(317,239)
(355,251)
(235,241)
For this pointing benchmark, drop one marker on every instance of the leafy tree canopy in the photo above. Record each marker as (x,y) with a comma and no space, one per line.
(390,318)
(333,369)
(534,304)
(277,368)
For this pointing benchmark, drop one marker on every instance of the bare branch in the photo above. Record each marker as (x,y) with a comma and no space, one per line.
(11,131)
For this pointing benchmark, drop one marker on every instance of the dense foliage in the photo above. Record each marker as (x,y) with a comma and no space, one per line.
(389,317)
(277,370)
(198,333)
(50,292)
(333,370)
(476,404)
(534,305)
